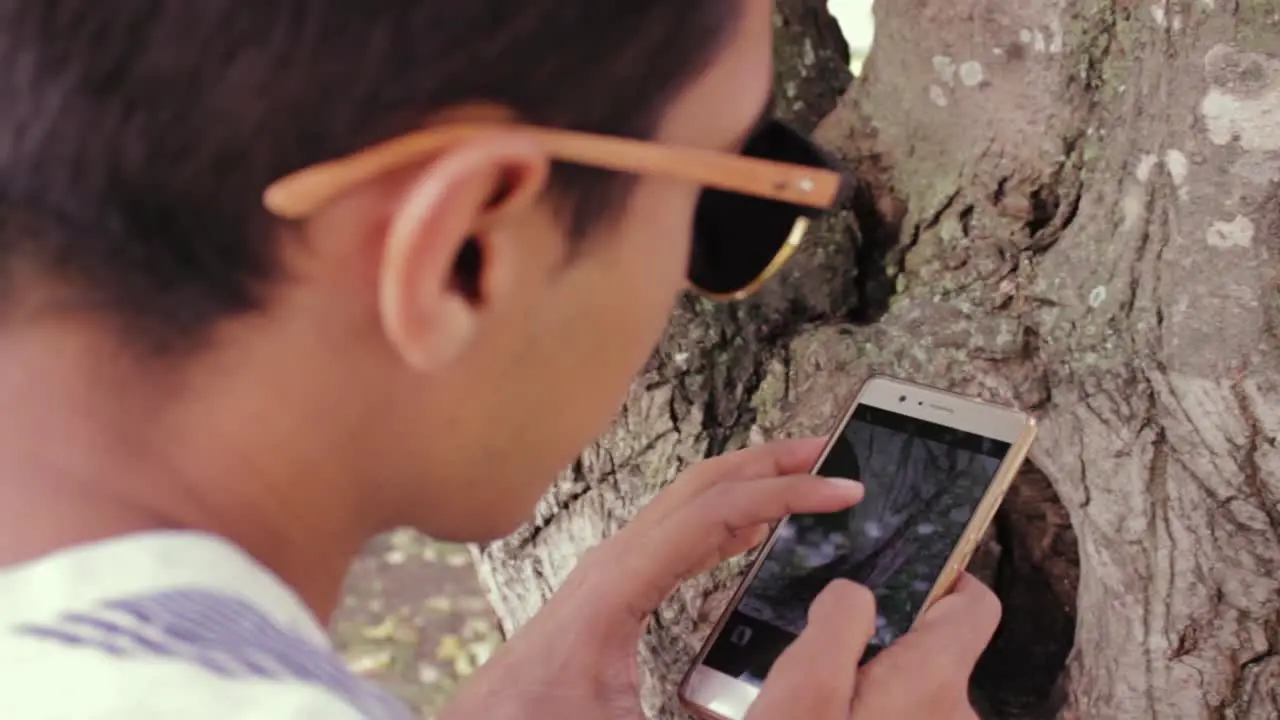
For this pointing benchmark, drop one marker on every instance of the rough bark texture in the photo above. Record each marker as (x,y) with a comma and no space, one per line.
(1073,207)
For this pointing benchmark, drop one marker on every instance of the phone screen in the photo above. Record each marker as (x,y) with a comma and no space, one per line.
(924,481)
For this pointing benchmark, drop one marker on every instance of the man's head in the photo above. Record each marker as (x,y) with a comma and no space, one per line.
(432,345)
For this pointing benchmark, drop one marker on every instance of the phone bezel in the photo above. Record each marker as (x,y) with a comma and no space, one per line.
(713,695)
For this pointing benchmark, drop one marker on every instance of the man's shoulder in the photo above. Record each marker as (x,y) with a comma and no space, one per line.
(167,649)
(51,680)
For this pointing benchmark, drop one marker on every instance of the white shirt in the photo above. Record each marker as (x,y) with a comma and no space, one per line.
(172,626)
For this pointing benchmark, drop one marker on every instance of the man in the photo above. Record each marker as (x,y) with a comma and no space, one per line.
(279,275)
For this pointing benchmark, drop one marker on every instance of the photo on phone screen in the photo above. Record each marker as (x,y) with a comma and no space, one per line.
(924,482)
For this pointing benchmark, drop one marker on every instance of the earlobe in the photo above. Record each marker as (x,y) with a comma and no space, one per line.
(428,314)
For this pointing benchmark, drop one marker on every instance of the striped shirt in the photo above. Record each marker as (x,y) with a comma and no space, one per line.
(168,625)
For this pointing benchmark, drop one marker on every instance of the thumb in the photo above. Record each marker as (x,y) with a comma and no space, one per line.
(958,628)
(815,676)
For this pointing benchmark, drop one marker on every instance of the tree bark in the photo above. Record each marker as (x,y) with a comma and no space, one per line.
(1070,207)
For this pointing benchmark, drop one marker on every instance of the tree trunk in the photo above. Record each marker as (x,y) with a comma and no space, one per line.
(1073,207)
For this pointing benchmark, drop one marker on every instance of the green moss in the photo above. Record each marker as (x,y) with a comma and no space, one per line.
(809,76)
(1265,13)
(1107,38)
(1091,149)
(1082,38)
(772,390)
(951,231)
(1258,26)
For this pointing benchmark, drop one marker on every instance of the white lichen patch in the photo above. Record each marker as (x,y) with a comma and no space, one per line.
(1097,296)
(970,73)
(1056,36)
(1133,207)
(1235,233)
(1178,166)
(1040,42)
(1145,165)
(1158,14)
(945,68)
(1243,102)
(1253,122)
(937,95)
(1175,161)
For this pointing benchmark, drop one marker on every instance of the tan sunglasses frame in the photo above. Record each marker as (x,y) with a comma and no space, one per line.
(300,194)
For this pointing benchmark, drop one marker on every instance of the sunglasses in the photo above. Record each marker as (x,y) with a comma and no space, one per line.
(752,215)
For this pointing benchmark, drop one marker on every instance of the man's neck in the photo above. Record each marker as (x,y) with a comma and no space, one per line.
(91,448)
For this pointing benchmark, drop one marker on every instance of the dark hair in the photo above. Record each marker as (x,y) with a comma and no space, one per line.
(136,136)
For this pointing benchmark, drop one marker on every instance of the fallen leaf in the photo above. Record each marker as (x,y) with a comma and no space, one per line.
(450,647)
(481,651)
(438,603)
(429,674)
(382,631)
(369,661)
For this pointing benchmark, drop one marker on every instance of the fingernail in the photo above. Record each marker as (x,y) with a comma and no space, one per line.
(845,484)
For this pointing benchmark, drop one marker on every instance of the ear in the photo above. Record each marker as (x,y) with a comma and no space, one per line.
(436,278)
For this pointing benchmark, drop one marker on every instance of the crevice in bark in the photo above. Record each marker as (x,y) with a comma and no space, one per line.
(1255,439)
(1036,575)
(1044,208)
(877,232)
(532,533)
(1244,676)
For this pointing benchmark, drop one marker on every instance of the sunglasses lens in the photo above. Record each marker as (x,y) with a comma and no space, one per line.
(737,237)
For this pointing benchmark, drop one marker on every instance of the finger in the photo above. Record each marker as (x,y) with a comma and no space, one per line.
(741,542)
(963,622)
(676,548)
(781,457)
(815,676)
(784,457)
(937,657)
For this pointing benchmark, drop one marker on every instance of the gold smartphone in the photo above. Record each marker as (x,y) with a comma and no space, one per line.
(935,466)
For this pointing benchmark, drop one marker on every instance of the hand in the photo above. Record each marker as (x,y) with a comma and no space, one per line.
(576,660)
(924,674)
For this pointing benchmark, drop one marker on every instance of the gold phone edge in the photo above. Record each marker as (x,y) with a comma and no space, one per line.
(957,561)
(985,513)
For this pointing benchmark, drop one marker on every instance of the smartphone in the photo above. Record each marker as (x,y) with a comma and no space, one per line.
(935,466)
